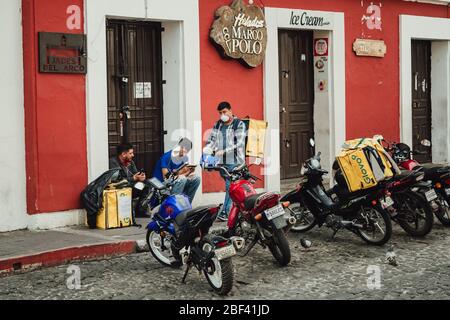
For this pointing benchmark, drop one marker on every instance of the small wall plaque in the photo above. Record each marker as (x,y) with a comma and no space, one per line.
(369,48)
(62,53)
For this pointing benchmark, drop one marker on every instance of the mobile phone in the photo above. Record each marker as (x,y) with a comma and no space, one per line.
(141,171)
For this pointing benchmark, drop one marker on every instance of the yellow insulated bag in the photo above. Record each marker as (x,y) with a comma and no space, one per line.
(373,149)
(117,209)
(364,163)
(356,170)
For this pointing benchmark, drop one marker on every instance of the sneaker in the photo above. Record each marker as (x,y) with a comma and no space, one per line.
(222,217)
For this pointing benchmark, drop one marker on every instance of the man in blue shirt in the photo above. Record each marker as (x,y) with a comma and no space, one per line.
(187,182)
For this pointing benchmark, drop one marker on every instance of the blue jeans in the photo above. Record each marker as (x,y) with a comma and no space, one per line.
(187,186)
(227,202)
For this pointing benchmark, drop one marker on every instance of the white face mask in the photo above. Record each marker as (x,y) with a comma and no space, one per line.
(225,118)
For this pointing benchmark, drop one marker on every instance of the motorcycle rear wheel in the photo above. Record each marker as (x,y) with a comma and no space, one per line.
(375,216)
(416,209)
(305,219)
(279,247)
(219,273)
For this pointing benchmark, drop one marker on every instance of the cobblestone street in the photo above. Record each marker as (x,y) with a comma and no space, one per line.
(328,270)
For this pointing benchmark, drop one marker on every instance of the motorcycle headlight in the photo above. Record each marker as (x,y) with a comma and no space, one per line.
(315,164)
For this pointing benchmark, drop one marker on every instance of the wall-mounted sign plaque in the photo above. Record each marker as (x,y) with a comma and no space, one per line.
(240,32)
(62,53)
(369,48)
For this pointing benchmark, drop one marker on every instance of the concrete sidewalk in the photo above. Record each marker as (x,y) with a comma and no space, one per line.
(22,251)
(27,250)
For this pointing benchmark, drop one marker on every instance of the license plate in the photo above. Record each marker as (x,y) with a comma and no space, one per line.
(274,212)
(387,202)
(430,195)
(447,191)
(225,252)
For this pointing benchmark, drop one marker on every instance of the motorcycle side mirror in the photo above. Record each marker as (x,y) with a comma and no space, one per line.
(425,143)
(312,143)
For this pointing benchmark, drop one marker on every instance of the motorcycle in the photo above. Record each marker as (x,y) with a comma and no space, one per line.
(258,218)
(401,199)
(179,235)
(438,177)
(364,213)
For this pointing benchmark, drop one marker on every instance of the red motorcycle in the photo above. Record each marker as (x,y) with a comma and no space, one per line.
(258,218)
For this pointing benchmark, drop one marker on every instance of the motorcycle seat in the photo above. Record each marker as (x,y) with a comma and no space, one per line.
(405,174)
(185,215)
(433,171)
(250,202)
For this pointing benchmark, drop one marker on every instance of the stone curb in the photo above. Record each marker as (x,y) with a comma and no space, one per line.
(61,256)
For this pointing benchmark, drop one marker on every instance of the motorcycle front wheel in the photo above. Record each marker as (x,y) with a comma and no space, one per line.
(218,273)
(443,214)
(279,247)
(154,242)
(414,214)
(377,226)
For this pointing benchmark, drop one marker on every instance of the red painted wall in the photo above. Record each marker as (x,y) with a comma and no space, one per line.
(372,84)
(55,116)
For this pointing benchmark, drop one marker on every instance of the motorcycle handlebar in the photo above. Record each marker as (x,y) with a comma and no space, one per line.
(234,171)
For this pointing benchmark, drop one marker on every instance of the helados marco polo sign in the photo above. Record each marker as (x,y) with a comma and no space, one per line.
(239,32)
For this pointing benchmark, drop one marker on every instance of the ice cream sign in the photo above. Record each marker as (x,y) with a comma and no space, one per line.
(239,31)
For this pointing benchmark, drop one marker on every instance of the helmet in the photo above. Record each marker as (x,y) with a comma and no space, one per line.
(402,152)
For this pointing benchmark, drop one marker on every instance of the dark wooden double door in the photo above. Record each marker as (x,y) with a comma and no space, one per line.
(421,97)
(296,100)
(134,71)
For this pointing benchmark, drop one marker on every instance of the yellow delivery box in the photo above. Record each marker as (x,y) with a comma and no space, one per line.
(117,209)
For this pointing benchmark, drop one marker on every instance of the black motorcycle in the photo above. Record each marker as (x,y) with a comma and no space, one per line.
(363,213)
(413,211)
(406,198)
(435,187)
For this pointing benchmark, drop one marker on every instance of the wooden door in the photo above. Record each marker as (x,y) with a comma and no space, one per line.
(135,101)
(421,97)
(296,99)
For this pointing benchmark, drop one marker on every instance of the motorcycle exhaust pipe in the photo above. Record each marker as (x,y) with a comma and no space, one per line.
(291,222)
(238,242)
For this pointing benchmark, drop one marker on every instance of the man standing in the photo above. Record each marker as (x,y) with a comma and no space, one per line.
(124,160)
(227,141)
(187,182)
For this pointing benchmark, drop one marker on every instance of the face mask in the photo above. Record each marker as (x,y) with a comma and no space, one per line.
(225,118)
